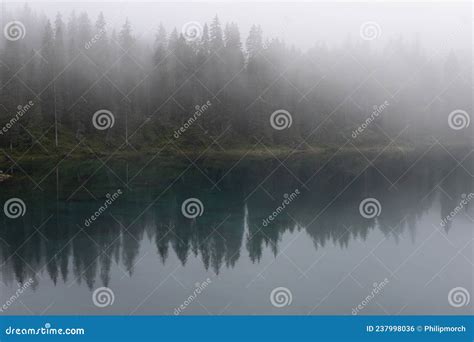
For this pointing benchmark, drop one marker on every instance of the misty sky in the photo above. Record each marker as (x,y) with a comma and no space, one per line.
(439,25)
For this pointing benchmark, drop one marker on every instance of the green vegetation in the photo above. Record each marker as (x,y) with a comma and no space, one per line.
(212,92)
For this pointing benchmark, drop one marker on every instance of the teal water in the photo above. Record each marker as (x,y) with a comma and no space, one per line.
(319,246)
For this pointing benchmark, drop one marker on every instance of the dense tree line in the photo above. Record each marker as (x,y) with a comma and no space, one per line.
(72,66)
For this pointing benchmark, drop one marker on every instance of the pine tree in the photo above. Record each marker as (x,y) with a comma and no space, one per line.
(254,43)
(47,76)
(216,39)
(59,84)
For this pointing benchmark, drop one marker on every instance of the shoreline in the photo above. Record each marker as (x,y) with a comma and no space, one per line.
(231,153)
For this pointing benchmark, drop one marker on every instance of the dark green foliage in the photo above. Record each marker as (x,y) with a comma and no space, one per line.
(71,70)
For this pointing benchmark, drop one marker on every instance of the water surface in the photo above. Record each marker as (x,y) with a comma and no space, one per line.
(319,247)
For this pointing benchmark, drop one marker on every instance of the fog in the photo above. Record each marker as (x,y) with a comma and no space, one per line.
(439,25)
(370,72)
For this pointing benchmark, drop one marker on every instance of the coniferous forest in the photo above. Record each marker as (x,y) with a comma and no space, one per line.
(219,86)
(307,158)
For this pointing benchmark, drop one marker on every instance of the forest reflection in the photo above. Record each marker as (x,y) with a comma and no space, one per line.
(52,239)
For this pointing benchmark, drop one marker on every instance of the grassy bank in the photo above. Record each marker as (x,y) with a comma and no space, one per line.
(186,151)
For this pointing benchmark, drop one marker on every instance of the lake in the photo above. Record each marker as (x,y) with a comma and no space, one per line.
(264,236)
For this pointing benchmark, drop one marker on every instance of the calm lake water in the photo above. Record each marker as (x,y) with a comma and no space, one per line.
(319,247)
